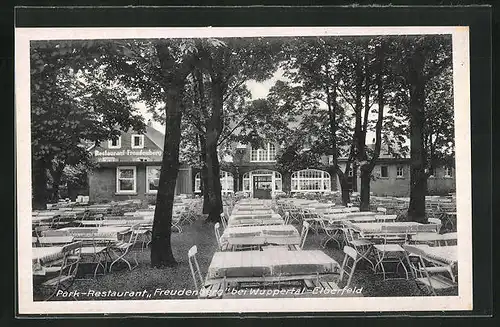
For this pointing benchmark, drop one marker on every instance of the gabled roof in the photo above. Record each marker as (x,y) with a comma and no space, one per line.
(155,136)
(151,133)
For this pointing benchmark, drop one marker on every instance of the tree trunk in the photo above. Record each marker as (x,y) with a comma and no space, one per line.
(56,174)
(367,168)
(161,248)
(213,130)
(287,182)
(346,194)
(39,185)
(344,186)
(213,188)
(365,188)
(418,177)
(354,177)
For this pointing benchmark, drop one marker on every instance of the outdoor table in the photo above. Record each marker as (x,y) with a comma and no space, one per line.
(46,254)
(375,229)
(238,216)
(104,233)
(360,213)
(125,222)
(252,212)
(344,218)
(445,256)
(256,221)
(248,266)
(439,254)
(261,235)
(434,238)
(44,240)
(41,218)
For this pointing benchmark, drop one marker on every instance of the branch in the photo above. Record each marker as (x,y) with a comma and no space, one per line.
(234,128)
(438,68)
(233,89)
(346,100)
(196,122)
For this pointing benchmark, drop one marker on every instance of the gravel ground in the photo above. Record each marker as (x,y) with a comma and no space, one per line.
(144,282)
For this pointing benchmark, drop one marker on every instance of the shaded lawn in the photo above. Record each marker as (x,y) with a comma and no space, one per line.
(145,282)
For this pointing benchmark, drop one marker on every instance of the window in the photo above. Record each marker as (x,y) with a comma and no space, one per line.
(384,172)
(152,179)
(272,152)
(310,180)
(448,172)
(267,154)
(400,171)
(115,143)
(276,177)
(197,183)
(226,182)
(125,179)
(431,172)
(350,173)
(137,141)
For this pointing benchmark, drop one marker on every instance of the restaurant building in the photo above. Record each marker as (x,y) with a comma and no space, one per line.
(129,168)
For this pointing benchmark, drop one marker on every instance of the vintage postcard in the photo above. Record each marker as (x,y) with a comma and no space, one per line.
(243,170)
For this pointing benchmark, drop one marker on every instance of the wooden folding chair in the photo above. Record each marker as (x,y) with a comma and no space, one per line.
(198,280)
(123,247)
(217,235)
(363,247)
(303,234)
(433,277)
(390,251)
(66,272)
(332,232)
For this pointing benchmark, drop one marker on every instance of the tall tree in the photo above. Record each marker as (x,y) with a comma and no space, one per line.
(323,73)
(67,110)
(368,161)
(175,63)
(423,59)
(223,66)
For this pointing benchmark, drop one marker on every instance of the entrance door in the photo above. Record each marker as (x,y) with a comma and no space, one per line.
(262,187)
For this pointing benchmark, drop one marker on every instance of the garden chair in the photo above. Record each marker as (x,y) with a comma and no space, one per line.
(435,278)
(123,247)
(94,252)
(332,232)
(217,235)
(312,217)
(346,270)
(198,278)
(390,252)
(348,265)
(223,220)
(176,221)
(303,234)
(286,217)
(66,272)
(362,247)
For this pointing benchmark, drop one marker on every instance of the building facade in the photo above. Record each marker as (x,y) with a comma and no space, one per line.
(129,168)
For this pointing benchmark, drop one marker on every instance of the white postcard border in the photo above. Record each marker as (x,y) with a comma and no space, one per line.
(461,89)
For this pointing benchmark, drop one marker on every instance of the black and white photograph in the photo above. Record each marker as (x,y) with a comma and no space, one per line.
(199,169)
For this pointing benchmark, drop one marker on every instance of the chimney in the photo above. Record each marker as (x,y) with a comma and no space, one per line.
(150,122)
